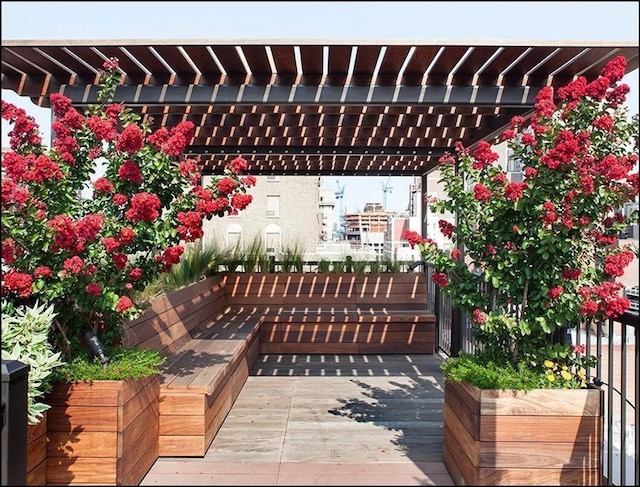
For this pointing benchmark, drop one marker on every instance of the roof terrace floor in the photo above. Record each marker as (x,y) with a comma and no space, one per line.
(326,420)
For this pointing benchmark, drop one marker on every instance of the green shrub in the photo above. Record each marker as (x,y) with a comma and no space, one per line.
(291,258)
(359,266)
(234,258)
(375,266)
(391,265)
(324,265)
(124,363)
(199,261)
(25,332)
(488,374)
(254,254)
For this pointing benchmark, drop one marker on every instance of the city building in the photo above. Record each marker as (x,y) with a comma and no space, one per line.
(286,214)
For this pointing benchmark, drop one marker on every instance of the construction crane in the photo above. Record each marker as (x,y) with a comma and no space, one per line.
(385,189)
(339,194)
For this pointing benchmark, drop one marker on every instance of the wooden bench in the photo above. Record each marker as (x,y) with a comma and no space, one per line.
(337,313)
(209,350)
(212,332)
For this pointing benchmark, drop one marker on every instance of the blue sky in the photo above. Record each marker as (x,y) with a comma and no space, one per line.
(433,21)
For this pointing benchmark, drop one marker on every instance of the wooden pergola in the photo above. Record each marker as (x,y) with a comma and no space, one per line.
(316,107)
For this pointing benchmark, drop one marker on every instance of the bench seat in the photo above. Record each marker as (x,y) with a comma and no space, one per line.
(200,382)
(209,349)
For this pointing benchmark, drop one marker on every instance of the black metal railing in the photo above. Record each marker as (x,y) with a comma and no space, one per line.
(614,343)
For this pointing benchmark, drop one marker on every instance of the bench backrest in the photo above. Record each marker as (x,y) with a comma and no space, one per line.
(173,318)
(407,290)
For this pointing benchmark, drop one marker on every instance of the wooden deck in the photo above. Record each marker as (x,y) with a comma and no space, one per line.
(326,420)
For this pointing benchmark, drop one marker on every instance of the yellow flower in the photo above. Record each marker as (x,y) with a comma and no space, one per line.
(551,378)
(565,375)
(548,364)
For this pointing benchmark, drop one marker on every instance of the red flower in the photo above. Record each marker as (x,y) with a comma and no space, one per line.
(126,235)
(123,304)
(110,244)
(119,260)
(446,228)
(589,308)
(130,140)
(481,192)
(615,69)
(135,274)
(74,265)
(93,289)
(144,207)
(479,317)
(17,282)
(515,191)
(555,292)
(440,278)
(238,165)
(130,172)
(483,155)
(103,185)
(240,201)
(42,271)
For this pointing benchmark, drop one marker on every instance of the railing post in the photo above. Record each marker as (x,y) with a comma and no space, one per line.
(349,263)
(15,385)
(456,331)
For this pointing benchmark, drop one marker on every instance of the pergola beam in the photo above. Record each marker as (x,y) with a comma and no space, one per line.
(313,150)
(310,95)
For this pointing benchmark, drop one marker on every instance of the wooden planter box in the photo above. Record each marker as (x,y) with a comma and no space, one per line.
(37,452)
(103,432)
(539,437)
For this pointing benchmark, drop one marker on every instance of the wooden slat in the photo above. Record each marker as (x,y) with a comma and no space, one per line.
(552,447)
(540,402)
(538,428)
(180,403)
(424,347)
(83,471)
(181,446)
(94,444)
(89,418)
(548,476)
(508,454)
(465,400)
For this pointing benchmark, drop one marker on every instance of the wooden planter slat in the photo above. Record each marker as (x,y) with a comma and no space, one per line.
(37,452)
(539,437)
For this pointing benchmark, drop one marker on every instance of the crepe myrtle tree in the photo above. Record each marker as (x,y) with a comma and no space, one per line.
(86,240)
(541,256)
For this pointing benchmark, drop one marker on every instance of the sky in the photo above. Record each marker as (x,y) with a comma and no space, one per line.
(406,21)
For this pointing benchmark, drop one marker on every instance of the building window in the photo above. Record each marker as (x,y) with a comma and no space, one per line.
(233,235)
(273,206)
(272,238)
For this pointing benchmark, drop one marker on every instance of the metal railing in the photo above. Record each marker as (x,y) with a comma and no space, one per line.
(614,343)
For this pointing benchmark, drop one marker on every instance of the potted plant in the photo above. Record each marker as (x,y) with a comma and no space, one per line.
(533,260)
(86,226)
